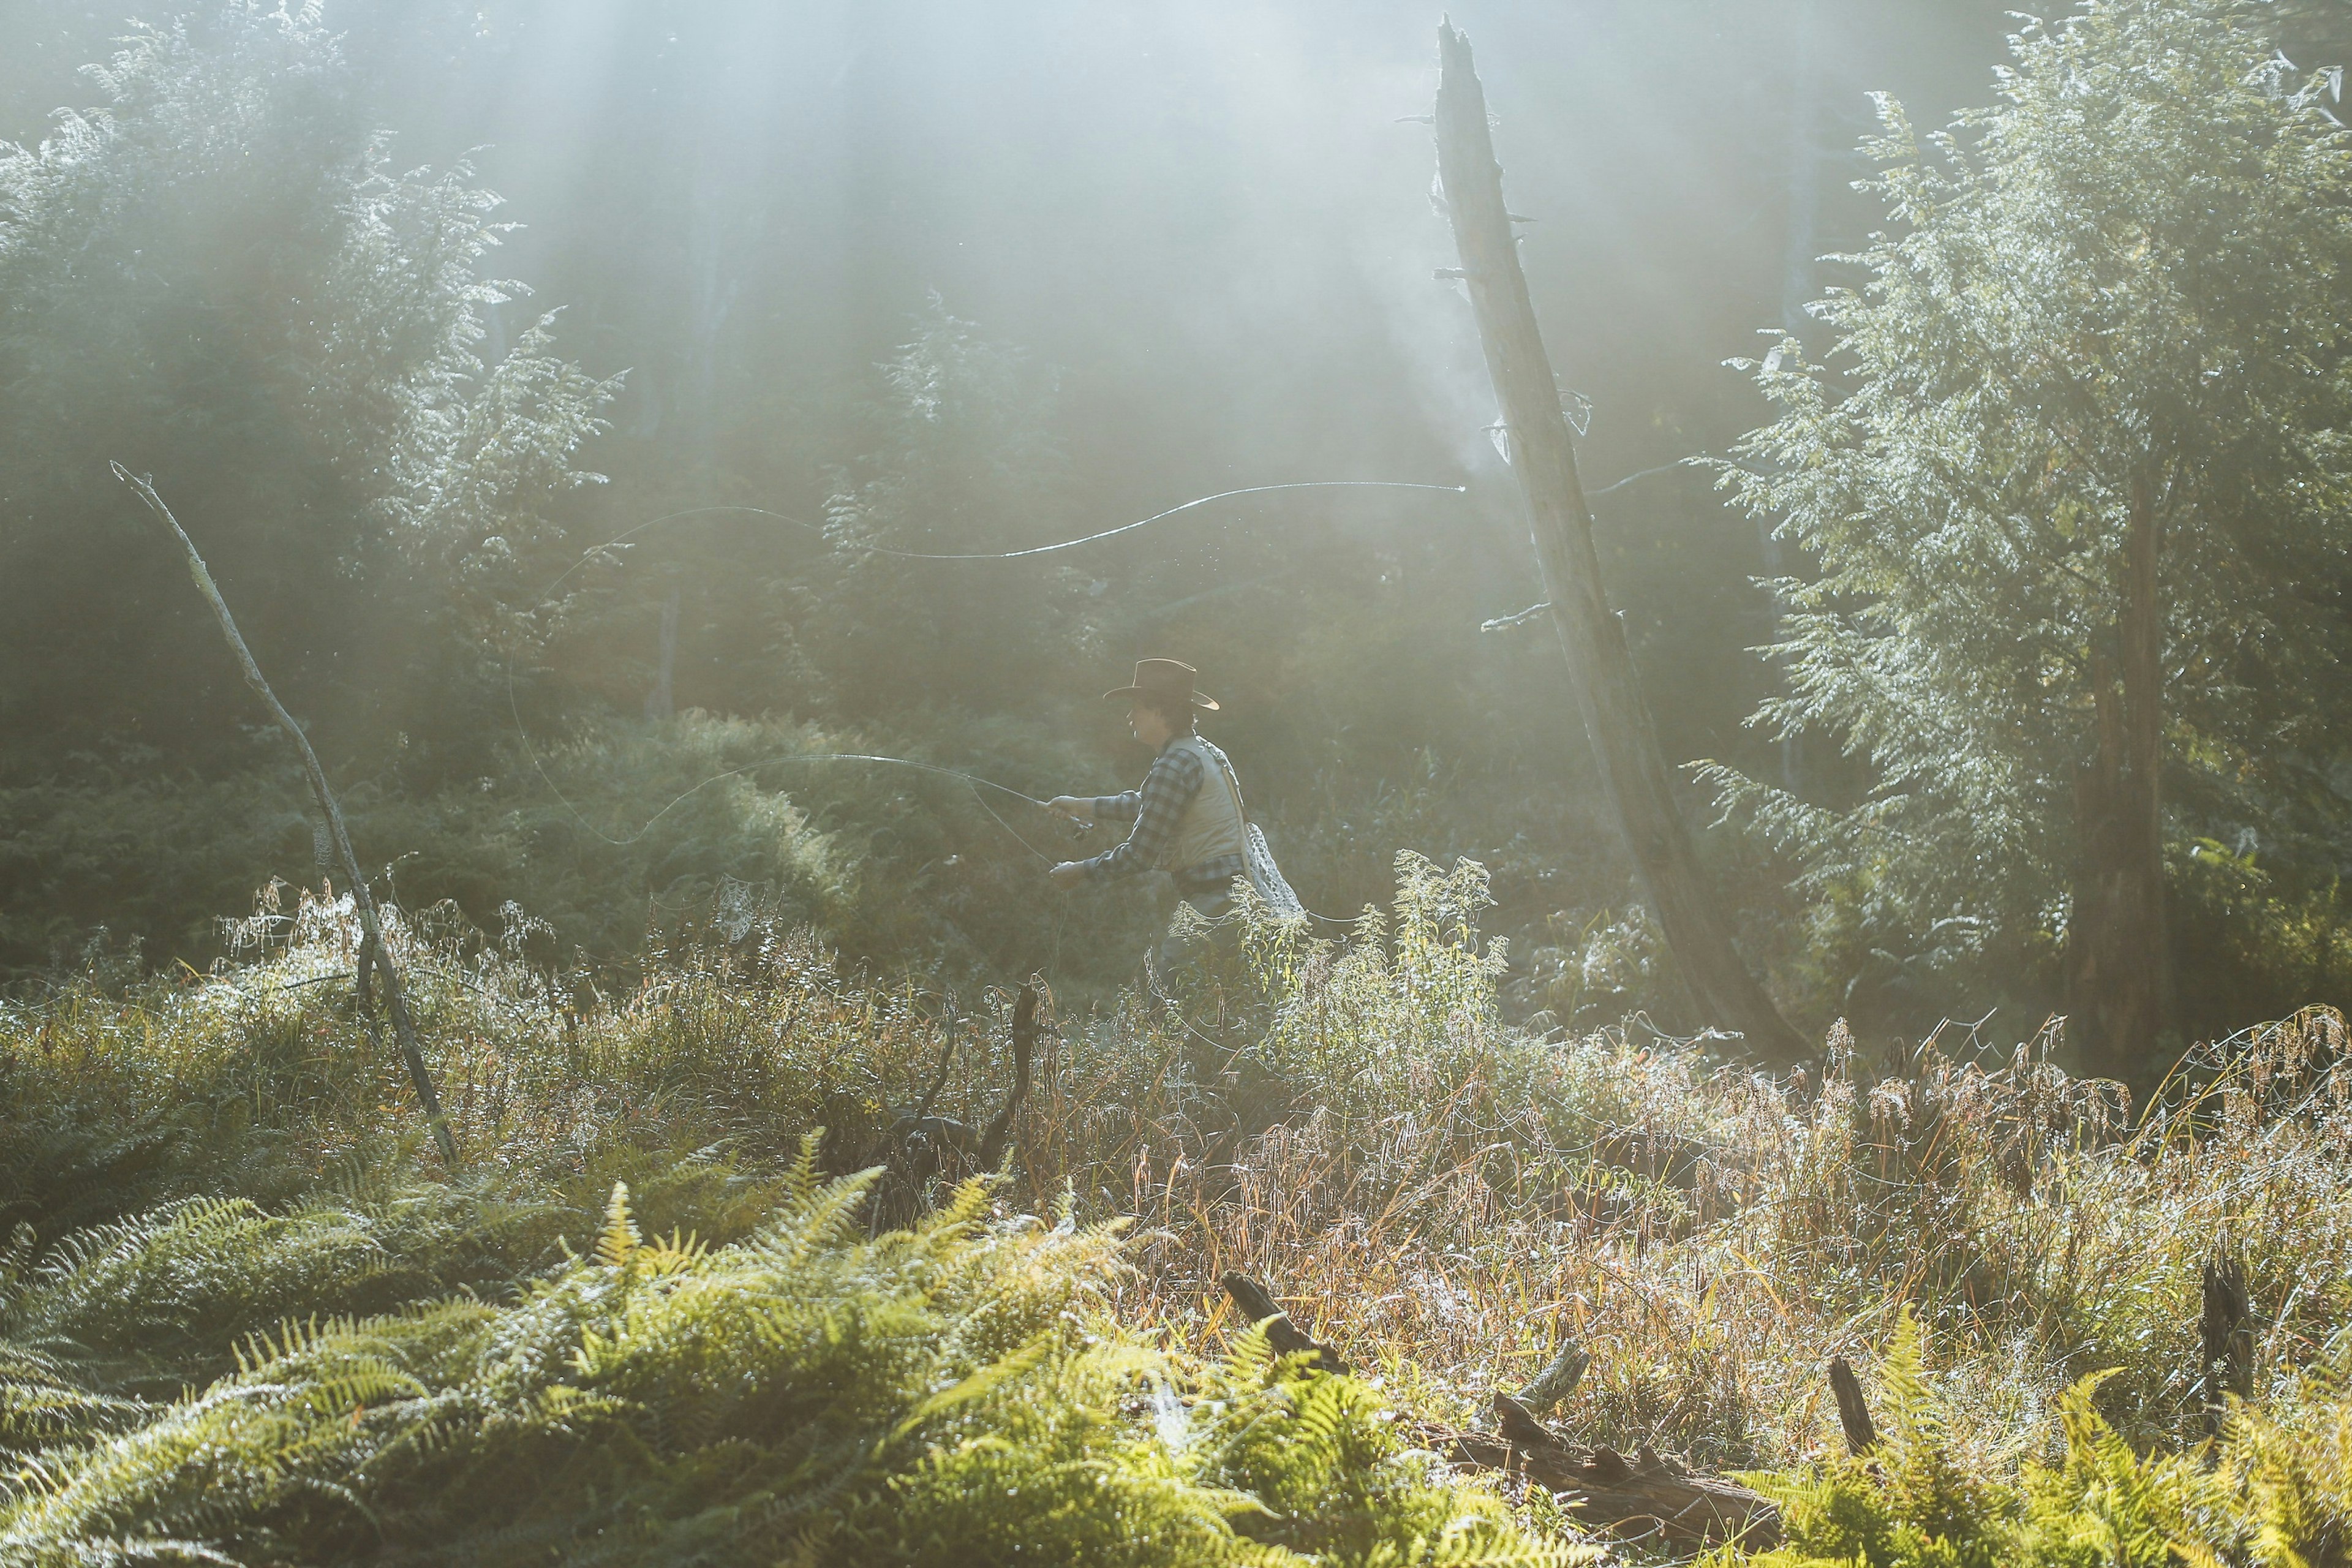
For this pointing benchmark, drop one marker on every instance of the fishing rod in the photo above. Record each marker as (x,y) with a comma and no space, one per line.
(977,784)
(1076,829)
(974,781)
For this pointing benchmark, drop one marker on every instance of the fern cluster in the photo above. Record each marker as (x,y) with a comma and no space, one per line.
(2273,1492)
(197,1161)
(193,1385)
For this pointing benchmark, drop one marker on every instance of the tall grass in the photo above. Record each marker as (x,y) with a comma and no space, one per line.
(1443,1196)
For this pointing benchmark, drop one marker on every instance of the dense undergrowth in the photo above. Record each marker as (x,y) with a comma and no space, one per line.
(244,1315)
(606,833)
(618,837)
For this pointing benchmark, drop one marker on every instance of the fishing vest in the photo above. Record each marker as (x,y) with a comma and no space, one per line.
(1213,823)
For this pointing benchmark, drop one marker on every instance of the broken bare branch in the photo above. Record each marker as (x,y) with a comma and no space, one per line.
(372,951)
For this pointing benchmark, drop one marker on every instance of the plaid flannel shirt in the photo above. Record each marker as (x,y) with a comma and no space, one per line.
(1156,809)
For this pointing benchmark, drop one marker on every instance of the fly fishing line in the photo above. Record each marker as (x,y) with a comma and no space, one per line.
(599,551)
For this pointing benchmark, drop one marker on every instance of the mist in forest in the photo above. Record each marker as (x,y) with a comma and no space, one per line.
(1210,233)
(1034,781)
(954,279)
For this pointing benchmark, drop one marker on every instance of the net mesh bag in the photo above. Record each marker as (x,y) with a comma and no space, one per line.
(1266,878)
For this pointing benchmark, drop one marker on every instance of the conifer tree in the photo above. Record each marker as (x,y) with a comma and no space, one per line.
(219,275)
(2075,483)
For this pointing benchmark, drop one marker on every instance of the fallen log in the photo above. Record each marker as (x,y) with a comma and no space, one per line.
(1287,1337)
(1646,1498)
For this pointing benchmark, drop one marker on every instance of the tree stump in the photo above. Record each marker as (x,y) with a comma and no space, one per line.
(1854,1414)
(2226,1337)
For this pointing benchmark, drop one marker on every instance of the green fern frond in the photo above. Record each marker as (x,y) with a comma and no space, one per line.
(2105,1503)
(980,1384)
(814,1215)
(617,1242)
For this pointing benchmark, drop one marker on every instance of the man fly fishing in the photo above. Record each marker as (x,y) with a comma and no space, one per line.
(1188,818)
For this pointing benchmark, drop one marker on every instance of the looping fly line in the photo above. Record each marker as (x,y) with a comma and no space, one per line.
(524,733)
(779,760)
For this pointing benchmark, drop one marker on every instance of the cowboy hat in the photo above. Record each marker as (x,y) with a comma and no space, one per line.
(1164,680)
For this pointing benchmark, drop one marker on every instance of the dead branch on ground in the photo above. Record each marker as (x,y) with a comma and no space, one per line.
(1646,1498)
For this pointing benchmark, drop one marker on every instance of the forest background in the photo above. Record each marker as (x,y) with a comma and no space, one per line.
(945,279)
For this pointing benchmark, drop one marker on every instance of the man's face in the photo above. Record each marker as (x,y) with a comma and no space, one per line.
(1148,726)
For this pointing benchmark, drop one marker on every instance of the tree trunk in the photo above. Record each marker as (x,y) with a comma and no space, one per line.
(1608,696)
(2119,953)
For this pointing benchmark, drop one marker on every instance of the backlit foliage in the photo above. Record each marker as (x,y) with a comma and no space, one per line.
(2271,1491)
(230,1242)
(951,1394)
(2128,279)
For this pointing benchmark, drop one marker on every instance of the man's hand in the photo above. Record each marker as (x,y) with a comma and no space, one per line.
(1076,808)
(1068,874)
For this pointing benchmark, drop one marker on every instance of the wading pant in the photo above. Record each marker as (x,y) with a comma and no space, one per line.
(1177,956)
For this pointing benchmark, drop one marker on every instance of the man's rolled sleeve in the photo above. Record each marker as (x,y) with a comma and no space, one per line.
(1168,789)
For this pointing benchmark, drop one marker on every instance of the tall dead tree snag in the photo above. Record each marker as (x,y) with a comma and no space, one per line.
(372,951)
(1608,692)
